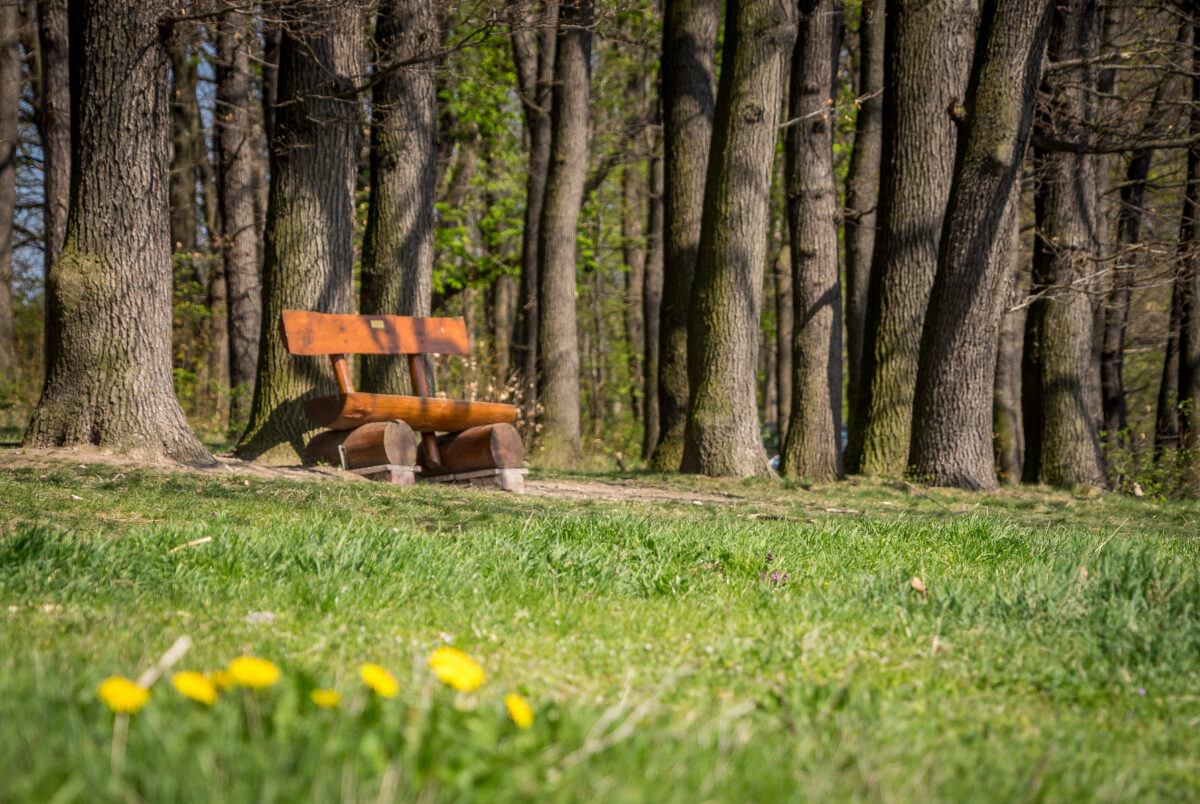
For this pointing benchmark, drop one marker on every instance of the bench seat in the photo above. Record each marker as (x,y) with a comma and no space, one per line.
(423,414)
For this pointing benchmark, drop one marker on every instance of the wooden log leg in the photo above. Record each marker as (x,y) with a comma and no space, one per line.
(492,446)
(374,444)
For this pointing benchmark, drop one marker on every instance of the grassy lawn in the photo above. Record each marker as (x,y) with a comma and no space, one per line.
(772,647)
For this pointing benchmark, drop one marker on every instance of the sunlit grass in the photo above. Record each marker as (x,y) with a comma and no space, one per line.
(769,648)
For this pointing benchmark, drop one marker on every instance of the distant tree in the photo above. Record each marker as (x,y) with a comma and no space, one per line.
(10,93)
(688,99)
(1061,378)
(54,124)
(108,380)
(952,415)
(813,448)
(558,442)
(862,188)
(928,52)
(397,269)
(722,435)
(652,299)
(534,40)
(236,188)
(1008,432)
(309,249)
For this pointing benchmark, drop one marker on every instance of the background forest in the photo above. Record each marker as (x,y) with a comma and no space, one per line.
(948,239)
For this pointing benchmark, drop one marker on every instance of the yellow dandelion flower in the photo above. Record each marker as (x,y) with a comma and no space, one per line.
(518,710)
(221,679)
(122,695)
(456,669)
(326,699)
(250,671)
(381,681)
(196,687)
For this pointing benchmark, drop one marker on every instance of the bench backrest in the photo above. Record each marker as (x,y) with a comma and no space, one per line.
(306,333)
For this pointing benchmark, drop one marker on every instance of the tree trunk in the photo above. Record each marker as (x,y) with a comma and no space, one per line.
(722,435)
(784,323)
(108,380)
(813,446)
(633,247)
(185,120)
(1166,418)
(862,189)
(1008,433)
(952,416)
(504,306)
(236,190)
(652,301)
(558,443)
(397,262)
(534,46)
(1189,280)
(54,125)
(309,249)
(1061,378)
(928,53)
(10,94)
(689,100)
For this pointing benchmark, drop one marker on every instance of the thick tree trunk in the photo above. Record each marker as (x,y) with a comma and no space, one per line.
(309,248)
(952,414)
(928,51)
(1008,434)
(862,186)
(813,446)
(558,443)
(54,124)
(1061,378)
(236,190)
(10,93)
(108,380)
(689,100)
(397,263)
(722,434)
(652,302)
(534,43)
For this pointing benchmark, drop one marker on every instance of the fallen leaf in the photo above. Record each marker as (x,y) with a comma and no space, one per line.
(919,585)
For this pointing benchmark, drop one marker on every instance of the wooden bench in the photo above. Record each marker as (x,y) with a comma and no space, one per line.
(379,428)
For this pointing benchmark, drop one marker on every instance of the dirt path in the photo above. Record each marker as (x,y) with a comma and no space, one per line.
(615,490)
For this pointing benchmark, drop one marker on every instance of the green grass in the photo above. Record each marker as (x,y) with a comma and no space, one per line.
(1055,656)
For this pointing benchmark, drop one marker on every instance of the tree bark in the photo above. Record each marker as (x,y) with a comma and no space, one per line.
(1060,384)
(10,94)
(862,190)
(722,435)
(813,446)
(108,380)
(652,301)
(309,249)
(558,443)
(689,101)
(504,307)
(236,190)
(1166,418)
(1008,433)
(54,124)
(928,51)
(534,43)
(397,264)
(952,414)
